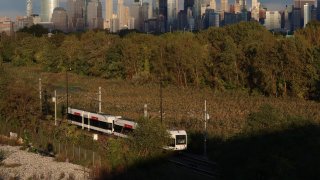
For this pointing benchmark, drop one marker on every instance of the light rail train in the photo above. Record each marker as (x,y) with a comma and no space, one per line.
(118,126)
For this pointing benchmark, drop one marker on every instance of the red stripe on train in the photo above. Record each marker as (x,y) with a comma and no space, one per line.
(94,118)
(77,114)
(127,126)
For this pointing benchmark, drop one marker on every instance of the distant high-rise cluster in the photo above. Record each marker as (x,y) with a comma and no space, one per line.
(160,16)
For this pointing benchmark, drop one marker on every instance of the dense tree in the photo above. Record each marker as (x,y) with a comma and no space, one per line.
(240,56)
(35,30)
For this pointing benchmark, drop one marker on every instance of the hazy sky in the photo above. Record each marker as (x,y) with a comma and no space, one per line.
(13,8)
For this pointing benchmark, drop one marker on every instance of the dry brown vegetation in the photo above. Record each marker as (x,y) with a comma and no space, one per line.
(183,107)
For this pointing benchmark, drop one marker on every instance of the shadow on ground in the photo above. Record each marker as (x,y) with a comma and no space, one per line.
(292,153)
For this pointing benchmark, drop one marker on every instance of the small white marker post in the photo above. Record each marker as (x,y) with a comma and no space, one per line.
(145,110)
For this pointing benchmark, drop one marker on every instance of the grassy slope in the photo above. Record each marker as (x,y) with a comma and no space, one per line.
(184,108)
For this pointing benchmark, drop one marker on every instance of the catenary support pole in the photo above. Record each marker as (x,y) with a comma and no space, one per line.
(100,100)
(205,129)
(55,107)
(40,95)
(161,105)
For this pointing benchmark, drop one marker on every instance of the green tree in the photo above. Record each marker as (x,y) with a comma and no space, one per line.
(36,30)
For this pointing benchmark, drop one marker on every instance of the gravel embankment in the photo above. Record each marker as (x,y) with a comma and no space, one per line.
(25,165)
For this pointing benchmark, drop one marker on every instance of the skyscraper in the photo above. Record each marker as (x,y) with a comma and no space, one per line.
(211,18)
(94,15)
(243,4)
(171,13)
(120,13)
(188,4)
(300,4)
(273,20)
(307,14)
(255,8)
(60,19)
(29,8)
(296,18)
(213,4)
(318,10)
(224,6)
(163,14)
(76,16)
(150,9)
(108,14)
(47,7)
(287,17)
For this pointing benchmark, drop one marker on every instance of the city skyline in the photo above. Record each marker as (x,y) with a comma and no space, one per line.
(15,8)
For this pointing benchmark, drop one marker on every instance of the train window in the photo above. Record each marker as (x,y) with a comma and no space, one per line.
(108,126)
(118,128)
(127,130)
(181,139)
(77,118)
(100,124)
(70,117)
(94,123)
(172,142)
(85,121)
(74,118)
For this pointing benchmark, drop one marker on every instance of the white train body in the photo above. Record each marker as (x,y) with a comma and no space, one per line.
(118,126)
(178,140)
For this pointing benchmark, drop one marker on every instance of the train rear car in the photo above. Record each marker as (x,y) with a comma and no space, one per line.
(91,121)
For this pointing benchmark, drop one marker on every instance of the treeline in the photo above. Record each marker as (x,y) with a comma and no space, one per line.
(243,56)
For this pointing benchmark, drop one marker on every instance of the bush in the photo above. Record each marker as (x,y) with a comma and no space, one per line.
(149,137)
(267,117)
(2,155)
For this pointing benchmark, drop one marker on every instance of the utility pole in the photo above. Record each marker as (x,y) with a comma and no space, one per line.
(161,105)
(67,89)
(100,100)
(40,95)
(205,129)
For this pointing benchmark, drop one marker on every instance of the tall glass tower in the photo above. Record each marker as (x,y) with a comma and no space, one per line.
(47,7)
(29,8)
(224,6)
(171,13)
(108,13)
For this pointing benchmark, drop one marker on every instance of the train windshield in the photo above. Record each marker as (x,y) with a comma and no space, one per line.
(181,139)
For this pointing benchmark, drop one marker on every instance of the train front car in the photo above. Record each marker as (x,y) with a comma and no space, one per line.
(178,140)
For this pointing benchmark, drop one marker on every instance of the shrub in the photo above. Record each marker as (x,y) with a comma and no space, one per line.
(267,117)
(2,156)
(149,137)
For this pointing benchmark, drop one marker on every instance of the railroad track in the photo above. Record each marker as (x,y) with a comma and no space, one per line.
(197,164)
